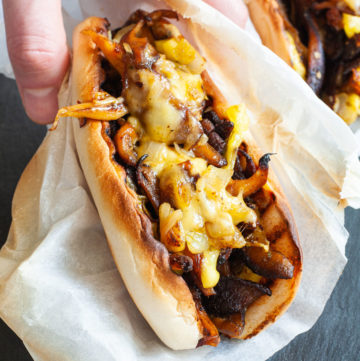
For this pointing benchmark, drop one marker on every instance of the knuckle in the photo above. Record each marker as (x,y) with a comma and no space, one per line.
(32,54)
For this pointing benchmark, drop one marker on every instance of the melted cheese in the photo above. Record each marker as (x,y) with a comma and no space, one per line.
(161,156)
(184,85)
(237,115)
(248,274)
(159,98)
(353,4)
(177,49)
(198,212)
(351,24)
(197,242)
(209,213)
(347,106)
(295,57)
(209,274)
(147,98)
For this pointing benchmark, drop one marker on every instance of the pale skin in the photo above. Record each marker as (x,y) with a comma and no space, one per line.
(39,54)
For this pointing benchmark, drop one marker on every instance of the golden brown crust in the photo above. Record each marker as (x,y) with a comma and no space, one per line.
(162,297)
(142,261)
(272,24)
(279,225)
(269,23)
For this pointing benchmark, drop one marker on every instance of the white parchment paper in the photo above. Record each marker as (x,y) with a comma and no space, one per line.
(59,288)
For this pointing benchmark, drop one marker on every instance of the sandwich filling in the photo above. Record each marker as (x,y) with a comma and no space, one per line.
(324,48)
(185,158)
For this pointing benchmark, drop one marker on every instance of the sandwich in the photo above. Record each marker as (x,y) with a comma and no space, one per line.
(320,40)
(197,224)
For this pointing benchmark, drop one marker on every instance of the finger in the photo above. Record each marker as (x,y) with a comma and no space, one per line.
(38,52)
(235,10)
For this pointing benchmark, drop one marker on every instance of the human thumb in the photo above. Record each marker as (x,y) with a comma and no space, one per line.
(38,52)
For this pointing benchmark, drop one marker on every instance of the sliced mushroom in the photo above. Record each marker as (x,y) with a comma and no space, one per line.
(224,255)
(125,140)
(270,264)
(233,296)
(208,126)
(212,117)
(244,165)
(180,263)
(223,265)
(316,56)
(148,181)
(252,184)
(232,326)
(217,142)
(211,333)
(207,152)
(224,129)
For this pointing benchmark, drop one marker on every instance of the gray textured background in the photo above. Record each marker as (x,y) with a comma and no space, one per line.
(336,335)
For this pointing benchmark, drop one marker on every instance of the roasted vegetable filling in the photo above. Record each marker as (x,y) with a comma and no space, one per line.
(326,50)
(185,157)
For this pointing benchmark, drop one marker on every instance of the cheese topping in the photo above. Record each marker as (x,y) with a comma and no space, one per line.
(347,106)
(204,212)
(295,57)
(209,212)
(351,24)
(164,99)
(237,115)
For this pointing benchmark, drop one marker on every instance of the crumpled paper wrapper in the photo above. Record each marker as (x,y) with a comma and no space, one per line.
(59,288)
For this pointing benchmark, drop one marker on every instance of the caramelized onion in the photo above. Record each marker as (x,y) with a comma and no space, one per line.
(172,234)
(112,51)
(143,53)
(105,109)
(196,273)
(175,186)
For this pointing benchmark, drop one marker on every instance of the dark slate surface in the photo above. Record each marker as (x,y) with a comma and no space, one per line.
(336,335)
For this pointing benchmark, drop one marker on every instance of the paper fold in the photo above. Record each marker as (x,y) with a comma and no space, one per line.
(59,288)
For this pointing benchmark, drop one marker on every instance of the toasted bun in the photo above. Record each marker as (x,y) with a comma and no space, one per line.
(279,226)
(269,23)
(161,296)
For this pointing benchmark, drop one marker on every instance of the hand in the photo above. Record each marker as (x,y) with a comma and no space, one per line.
(235,10)
(38,52)
(39,55)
